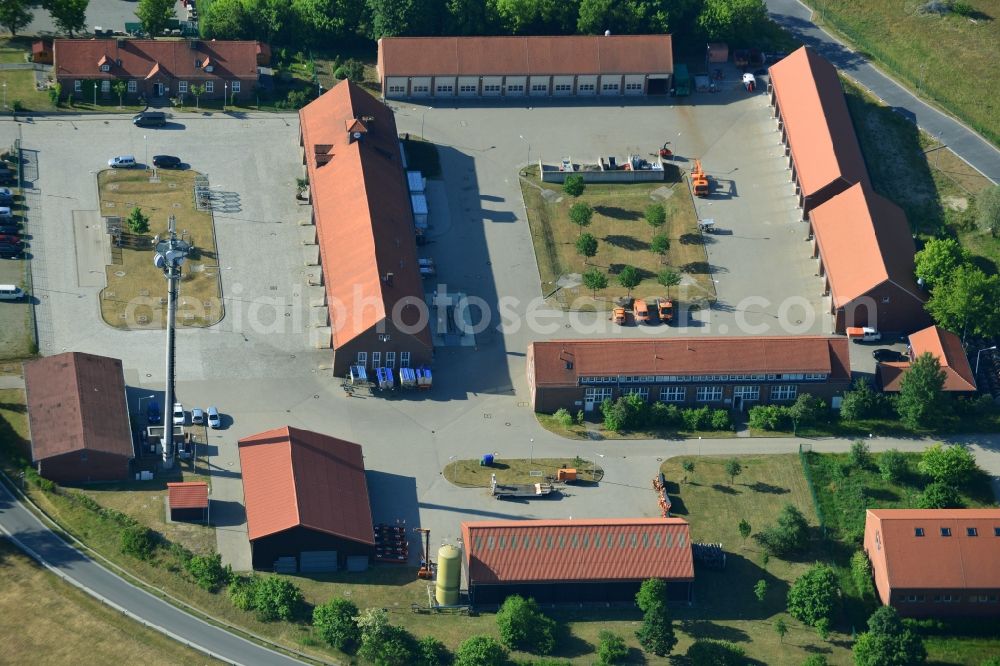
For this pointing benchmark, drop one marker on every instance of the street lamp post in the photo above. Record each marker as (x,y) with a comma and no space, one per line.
(529,146)
(145,397)
(145,143)
(976,375)
(225,95)
(531,450)
(5,95)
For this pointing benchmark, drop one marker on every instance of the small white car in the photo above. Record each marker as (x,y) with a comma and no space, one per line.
(197,416)
(122,162)
(214,422)
(179,418)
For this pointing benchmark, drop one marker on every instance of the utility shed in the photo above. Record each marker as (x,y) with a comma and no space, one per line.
(78,418)
(565,561)
(188,501)
(305,494)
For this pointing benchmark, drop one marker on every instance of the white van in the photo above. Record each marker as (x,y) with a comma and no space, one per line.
(10,292)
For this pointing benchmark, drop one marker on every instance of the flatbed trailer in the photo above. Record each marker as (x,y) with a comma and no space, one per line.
(501,490)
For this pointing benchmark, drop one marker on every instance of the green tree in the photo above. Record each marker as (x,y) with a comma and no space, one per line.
(806,410)
(892,466)
(137,222)
(938,261)
(320,20)
(611,649)
(276,598)
(267,19)
(668,278)
(921,392)
(656,635)
(524,627)
(888,642)
(733,469)
(198,91)
(70,16)
(781,629)
(595,279)
(760,590)
(815,660)
(381,643)
(225,19)
(731,20)
(138,541)
(656,215)
(55,93)
(745,529)
(120,88)
(586,246)
(688,467)
(155,15)
(812,596)
(14,15)
(651,592)
(660,245)
(967,303)
(953,465)
(629,278)
(708,652)
(574,185)
(988,210)
(335,623)
(860,454)
(580,214)
(939,495)
(208,572)
(393,18)
(469,17)
(861,573)
(862,402)
(242,591)
(352,70)
(481,651)
(788,536)
(432,652)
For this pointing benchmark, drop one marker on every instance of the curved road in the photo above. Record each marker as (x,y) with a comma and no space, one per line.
(974,149)
(31,535)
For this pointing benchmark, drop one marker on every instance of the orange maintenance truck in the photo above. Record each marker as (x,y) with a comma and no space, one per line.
(618,316)
(641,312)
(665,310)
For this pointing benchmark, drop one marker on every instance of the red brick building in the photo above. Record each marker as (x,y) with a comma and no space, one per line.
(936,562)
(156,69)
(78,418)
(943,345)
(718,372)
(565,561)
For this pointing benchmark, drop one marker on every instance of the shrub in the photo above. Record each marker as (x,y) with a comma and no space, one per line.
(812,596)
(138,541)
(241,591)
(663,415)
(574,185)
(382,643)
(860,455)
(611,649)
(481,651)
(707,652)
(939,496)
(563,417)
(276,598)
(696,418)
(768,417)
(335,623)
(432,652)
(861,573)
(815,660)
(789,536)
(892,466)
(137,222)
(953,465)
(862,402)
(720,420)
(208,572)
(524,627)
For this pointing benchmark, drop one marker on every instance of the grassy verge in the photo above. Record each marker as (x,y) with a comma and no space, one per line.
(36,606)
(940,57)
(623,238)
(965,650)
(920,174)
(469,473)
(135,296)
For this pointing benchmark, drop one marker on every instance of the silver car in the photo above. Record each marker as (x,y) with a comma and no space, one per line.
(197,416)
(214,422)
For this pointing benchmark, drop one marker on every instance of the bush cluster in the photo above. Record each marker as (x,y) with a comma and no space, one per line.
(631,412)
(271,597)
(789,536)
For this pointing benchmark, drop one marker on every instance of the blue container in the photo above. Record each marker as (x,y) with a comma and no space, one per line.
(487,460)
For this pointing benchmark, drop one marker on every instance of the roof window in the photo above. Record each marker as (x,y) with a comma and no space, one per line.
(971,531)
(946,531)
(918,531)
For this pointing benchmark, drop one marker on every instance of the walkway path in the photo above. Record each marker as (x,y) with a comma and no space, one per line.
(974,149)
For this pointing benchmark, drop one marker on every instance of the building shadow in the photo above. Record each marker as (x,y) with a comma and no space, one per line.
(226,513)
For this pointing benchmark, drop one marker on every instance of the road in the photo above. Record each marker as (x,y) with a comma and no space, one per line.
(37,540)
(974,149)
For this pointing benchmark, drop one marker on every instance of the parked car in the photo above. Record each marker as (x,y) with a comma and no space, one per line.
(10,292)
(9,229)
(863,334)
(150,119)
(883,355)
(166,162)
(197,416)
(179,418)
(10,250)
(153,413)
(214,422)
(122,162)
(10,239)
(6,213)
(6,196)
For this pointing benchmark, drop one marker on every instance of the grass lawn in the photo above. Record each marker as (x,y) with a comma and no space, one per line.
(136,293)
(943,58)
(21,88)
(965,650)
(914,170)
(725,605)
(623,239)
(47,621)
(469,473)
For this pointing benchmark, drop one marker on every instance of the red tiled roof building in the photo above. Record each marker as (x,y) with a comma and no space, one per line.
(576,560)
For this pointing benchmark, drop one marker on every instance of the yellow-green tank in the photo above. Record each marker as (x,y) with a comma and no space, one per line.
(449,575)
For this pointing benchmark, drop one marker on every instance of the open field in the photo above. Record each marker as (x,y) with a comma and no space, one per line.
(944,58)
(470,474)
(136,293)
(623,238)
(914,170)
(45,620)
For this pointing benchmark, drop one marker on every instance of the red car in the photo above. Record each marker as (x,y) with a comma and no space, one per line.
(9,239)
